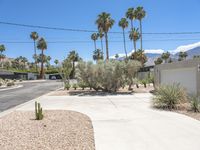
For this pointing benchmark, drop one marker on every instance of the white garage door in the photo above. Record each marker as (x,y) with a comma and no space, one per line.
(185,76)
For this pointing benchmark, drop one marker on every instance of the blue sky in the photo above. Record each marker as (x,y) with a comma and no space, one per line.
(162,16)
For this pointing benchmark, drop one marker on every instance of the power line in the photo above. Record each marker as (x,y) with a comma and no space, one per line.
(155,40)
(91,31)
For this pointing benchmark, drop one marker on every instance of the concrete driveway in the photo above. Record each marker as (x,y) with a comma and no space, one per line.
(129,122)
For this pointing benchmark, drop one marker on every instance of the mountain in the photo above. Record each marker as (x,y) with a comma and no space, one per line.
(192,52)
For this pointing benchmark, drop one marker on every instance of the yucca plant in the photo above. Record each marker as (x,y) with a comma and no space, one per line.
(67,86)
(195,103)
(75,86)
(169,96)
(82,85)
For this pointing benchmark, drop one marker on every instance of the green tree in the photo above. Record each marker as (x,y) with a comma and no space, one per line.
(56,62)
(34,36)
(130,14)
(183,56)
(116,56)
(139,56)
(135,36)
(97,55)
(73,57)
(123,23)
(42,45)
(94,37)
(140,13)
(165,56)
(158,61)
(105,23)
(2,56)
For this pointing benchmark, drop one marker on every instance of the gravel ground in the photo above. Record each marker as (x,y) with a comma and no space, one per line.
(59,130)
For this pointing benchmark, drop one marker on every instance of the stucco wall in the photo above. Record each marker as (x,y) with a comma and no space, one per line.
(185,72)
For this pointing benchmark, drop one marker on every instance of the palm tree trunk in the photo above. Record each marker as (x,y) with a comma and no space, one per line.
(73,67)
(42,66)
(131,25)
(36,69)
(107,53)
(135,46)
(102,44)
(124,43)
(95,46)
(141,34)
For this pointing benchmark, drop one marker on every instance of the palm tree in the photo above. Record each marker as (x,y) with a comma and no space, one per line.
(42,45)
(73,57)
(158,61)
(101,35)
(2,56)
(56,62)
(135,36)
(140,13)
(140,56)
(94,37)
(182,56)
(97,55)
(104,22)
(130,14)
(165,56)
(34,36)
(123,23)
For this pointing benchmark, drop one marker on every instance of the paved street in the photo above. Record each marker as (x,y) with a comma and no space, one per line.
(29,91)
(129,122)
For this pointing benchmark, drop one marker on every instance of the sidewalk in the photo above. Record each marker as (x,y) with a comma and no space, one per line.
(128,122)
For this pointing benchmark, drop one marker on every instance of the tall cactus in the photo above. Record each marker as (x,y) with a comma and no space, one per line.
(38,111)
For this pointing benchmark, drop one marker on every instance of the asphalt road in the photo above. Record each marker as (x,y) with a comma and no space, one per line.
(29,91)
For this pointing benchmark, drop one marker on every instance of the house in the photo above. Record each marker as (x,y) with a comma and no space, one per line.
(187,73)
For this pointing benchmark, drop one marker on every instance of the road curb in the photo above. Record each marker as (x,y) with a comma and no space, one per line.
(6,112)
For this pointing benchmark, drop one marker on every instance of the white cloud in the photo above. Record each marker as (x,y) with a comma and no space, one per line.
(185,48)
(154,51)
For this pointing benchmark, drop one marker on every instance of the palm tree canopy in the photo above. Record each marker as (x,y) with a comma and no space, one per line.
(73,56)
(2,48)
(130,14)
(94,36)
(140,56)
(34,36)
(123,23)
(97,54)
(104,22)
(42,44)
(140,13)
(134,34)
(56,61)
(165,55)
(158,61)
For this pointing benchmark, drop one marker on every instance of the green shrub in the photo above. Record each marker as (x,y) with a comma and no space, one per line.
(195,103)
(169,96)
(20,80)
(75,86)
(10,83)
(67,86)
(109,76)
(144,82)
(82,85)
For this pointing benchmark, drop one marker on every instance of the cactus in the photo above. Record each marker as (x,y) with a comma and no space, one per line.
(38,111)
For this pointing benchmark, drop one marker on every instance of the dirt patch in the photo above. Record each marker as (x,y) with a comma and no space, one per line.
(87,91)
(59,130)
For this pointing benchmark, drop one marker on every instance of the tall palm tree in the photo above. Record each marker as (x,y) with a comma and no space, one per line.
(2,56)
(140,13)
(101,35)
(165,56)
(123,23)
(73,57)
(56,62)
(34,36)
(97,55)
(105,23)
(135,36)
(130,14)
(42,45)
(94,37)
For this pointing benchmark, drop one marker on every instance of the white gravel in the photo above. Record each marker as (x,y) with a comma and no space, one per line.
(59,130)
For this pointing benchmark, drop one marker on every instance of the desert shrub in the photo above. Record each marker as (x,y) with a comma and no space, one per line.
(195,103)
(144,82)
(75,86)
(169,96)
(82,85)
(107,76)
(67,86)
(20,80)
(10,83)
